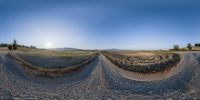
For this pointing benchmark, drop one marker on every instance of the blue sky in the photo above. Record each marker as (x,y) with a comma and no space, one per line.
(100,24)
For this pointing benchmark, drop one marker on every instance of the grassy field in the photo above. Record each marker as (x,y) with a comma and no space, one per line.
(3,48)
(52,59)
(196,48)
(49,62)
(45,52)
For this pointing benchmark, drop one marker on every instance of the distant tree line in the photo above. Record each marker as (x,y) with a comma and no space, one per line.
(14,45)
(197,45)
(4,45)
(24,46)
(176,47)
(188,47)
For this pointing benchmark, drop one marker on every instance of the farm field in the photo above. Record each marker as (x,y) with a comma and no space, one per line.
(100,78)
(51,59)
(49,62)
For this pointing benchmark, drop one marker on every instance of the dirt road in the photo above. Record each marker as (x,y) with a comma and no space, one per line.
(101,80)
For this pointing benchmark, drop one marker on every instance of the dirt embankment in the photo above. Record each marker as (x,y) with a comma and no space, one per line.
(50,72)
(144,64)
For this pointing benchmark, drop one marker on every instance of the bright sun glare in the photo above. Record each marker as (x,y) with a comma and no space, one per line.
(48,45)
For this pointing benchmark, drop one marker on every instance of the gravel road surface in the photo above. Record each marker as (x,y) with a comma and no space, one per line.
(101,80)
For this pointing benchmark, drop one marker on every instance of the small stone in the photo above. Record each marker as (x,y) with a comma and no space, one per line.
(192,91)
(196,74)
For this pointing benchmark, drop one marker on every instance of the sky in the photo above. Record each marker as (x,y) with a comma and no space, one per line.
(100,24)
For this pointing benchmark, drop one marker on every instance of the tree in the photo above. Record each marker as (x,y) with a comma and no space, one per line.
(10,47)
(176,47)
(3,45)
(33,47)
(189,46)
(197,45)
(14,45)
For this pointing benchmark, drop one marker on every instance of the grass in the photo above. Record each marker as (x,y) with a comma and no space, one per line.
(49,62)
(53,59)
(196,48)
(3,48)
(49,71)
(48,53)
(143,62)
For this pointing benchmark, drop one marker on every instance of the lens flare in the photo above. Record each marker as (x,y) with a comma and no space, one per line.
(48,45)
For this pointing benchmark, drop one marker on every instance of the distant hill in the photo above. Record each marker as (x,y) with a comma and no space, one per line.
(112,49)
(66,49)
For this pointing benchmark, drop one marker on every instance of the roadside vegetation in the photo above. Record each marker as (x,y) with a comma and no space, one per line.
(45,61)
(143,62)
(188,47)
(54,59)
(13,46)
(52,63)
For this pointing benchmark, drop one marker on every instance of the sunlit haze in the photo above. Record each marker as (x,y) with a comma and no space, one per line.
(103,24)
(48,45)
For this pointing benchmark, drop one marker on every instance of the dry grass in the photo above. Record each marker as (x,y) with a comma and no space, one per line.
(144,62)
(141,54)
(44,52)
(196,48)
(51,59)
(3,49)
(48,62)
(49,71)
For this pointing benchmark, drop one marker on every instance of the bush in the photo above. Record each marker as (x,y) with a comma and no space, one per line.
(3,45)
(176,47)
(15,45)
(197,45)
(10,47)
(189,46)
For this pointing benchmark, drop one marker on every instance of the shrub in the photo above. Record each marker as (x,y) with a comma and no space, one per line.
(197,45)
(3,45)
(176,47)
(189,46)
(14,45)
(10,47)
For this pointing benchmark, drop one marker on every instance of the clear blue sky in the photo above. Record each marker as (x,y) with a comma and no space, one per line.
(100,24)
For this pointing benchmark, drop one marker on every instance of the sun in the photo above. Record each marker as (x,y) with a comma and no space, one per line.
(48,45)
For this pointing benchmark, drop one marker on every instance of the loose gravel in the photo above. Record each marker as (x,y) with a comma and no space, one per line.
(99,80)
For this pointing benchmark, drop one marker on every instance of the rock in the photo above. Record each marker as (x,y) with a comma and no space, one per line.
(192,91)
